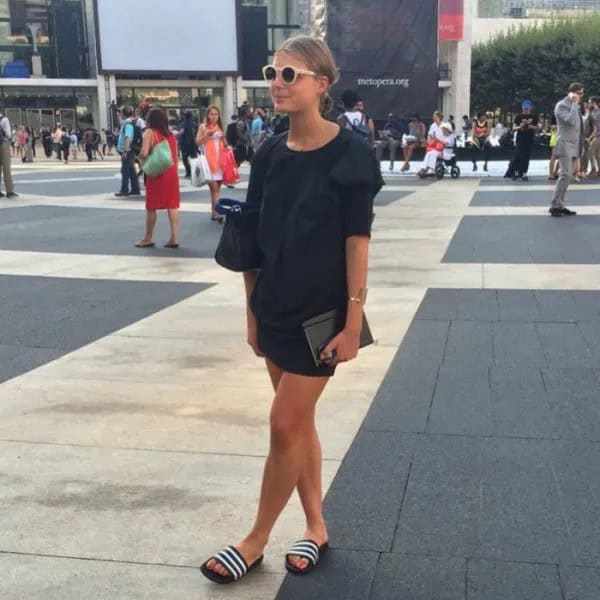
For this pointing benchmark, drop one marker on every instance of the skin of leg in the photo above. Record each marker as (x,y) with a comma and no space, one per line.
(292,421)
(214,187)
(150,223)
(310,484)
(174,224)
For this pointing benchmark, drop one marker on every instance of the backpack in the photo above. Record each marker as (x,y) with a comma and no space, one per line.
(231,134)
(361,128)
(138,136)
(65,140)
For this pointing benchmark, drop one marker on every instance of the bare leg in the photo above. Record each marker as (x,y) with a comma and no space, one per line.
(292,424)
(150,223)
(215,190)
(310,485)
(174,225)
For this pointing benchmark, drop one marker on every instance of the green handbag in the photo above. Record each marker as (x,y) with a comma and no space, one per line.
(159,160)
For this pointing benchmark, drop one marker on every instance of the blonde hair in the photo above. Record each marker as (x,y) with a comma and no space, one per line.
(317,56)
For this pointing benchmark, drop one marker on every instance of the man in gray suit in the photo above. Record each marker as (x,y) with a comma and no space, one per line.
(568,145)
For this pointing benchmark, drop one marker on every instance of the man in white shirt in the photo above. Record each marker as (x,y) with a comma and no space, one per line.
(5,159)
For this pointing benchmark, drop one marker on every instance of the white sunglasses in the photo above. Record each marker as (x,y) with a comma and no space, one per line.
(289,75)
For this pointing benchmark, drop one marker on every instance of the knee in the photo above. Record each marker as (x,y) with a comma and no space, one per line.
(286,429)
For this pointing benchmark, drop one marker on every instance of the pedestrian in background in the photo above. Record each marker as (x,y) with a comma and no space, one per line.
(66,144)
(595,137)
(187,142)
(212,137)
(568,145)
(525,126)
(124,147)
(5,157)
(257,129)
(74,143)
(162,192)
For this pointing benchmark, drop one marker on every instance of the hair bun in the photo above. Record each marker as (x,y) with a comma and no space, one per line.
(326,104)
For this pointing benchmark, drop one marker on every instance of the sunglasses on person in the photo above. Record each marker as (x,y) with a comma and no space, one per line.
(289,75)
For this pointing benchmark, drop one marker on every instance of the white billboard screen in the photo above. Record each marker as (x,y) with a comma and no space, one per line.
(180,36)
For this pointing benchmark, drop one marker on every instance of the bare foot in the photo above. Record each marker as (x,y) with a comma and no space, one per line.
(249,549)
(318,535)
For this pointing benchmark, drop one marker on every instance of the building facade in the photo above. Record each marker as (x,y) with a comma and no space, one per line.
(49,67)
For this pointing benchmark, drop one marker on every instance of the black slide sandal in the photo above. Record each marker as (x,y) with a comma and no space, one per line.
(233,562)
(305,549)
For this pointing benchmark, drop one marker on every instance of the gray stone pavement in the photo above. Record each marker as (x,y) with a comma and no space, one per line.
(461,455)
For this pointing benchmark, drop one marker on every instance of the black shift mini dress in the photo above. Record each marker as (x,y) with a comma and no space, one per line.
(310,202)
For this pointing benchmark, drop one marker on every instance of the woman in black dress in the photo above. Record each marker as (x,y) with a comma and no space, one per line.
(315,185)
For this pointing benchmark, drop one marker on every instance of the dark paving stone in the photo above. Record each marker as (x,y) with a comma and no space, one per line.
(557,306)
(363,502)
(342,574)
(517,344)
(457,304)
(470,343)
(576,468)
(564,345)
(520,404)
(384,198)
(101,231)
(518,305)
(576,415)
(63,314)
(488,580)
(462,403)
(489,498)
(591,333)
(403,401)
(521,508)
(576,196)
(571,379)
(526,240)
(16,361)
(580,583)
(441,511)
(419,578)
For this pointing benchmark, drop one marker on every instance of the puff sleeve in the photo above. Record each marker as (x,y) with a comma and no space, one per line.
(358,176)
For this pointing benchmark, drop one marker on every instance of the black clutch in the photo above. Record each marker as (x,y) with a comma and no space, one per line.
(322,329)
(238,248)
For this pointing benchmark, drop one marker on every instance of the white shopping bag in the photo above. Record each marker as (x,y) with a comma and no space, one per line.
(200,170)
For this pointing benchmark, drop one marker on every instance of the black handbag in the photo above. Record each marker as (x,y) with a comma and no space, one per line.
(238,248)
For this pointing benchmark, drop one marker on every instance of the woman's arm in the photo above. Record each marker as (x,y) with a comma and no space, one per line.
(201,136)
(357,260)
(146,144)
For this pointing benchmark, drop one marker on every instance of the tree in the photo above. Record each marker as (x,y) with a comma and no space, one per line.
(538,63)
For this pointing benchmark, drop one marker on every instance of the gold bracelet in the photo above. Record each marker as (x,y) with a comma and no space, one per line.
(355,300)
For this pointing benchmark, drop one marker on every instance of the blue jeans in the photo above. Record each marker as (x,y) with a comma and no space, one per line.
(128,175)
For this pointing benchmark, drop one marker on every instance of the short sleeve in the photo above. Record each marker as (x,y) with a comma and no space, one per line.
(357,210)
(358,175)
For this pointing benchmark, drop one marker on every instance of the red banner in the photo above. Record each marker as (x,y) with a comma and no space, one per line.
(451,20)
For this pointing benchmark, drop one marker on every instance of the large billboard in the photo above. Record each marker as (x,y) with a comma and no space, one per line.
(197,36)
(387,50)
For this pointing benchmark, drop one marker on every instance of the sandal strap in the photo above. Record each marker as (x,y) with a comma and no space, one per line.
(233,561)
(306,549)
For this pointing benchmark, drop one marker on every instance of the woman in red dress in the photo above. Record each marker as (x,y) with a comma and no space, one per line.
(211,136)
(162,192)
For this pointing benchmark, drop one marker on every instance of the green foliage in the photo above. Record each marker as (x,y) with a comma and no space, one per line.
(537,63)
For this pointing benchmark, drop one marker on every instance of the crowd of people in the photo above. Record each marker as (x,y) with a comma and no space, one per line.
(65,143)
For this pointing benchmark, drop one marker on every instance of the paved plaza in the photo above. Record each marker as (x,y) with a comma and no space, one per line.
(461,453)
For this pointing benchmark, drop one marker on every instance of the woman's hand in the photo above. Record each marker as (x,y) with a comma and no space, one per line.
(342,348)
(252,332)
